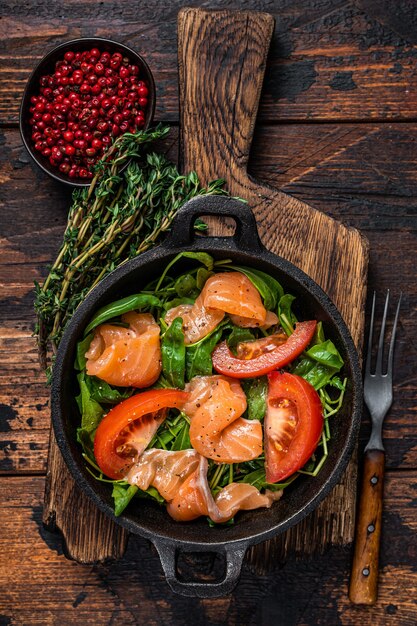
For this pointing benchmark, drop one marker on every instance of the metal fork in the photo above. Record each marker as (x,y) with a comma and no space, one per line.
(378,398)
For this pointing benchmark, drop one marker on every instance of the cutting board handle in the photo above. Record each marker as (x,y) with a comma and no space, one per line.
(221,57)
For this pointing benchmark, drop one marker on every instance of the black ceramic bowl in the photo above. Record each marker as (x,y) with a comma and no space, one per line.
(144,517)
(47,66)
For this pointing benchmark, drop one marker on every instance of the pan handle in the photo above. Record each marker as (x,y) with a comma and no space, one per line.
(233,555)
(245,237)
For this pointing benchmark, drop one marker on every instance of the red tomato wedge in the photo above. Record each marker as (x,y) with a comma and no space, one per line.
(226,363)
(293,425)
(127,429)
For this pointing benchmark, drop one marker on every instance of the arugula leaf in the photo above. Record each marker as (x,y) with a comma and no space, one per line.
(287,318)
(173,354)
(256,478)
(91,414)
(139,301)
(122,494)
(198,357)
(102,392)
(204,258)
(182,440)
(256,390)
(82,348)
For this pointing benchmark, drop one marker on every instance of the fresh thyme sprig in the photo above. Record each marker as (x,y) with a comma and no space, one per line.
(130,203)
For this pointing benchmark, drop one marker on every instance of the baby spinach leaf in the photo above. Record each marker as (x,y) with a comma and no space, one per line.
(185,285)
(139,301)
(176,302)
(319,364)
(173,354)
(202,276)
(198,357)
(150,493)
(327,354)
(122,495)
(287,318)
(239,335)
(256,390)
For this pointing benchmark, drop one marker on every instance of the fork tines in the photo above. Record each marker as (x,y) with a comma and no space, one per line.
(378,368)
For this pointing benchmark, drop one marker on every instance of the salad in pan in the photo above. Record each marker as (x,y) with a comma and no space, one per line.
(204,391)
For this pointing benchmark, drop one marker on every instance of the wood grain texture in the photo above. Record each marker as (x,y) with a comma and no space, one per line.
(40,587)
(363,587)
(222,58)
(330,59)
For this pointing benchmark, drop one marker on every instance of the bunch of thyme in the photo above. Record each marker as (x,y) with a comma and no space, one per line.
(131,201)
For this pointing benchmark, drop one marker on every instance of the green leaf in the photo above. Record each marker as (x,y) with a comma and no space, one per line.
(185,285)
(256,390)
(269,288)
(319,364)
(91,414)
(287,318)
(182,440)
(327,354)
(239,335)
(102,392)
(82,348)
(202,276)
(176,302)
(173,354)
(150,493)
(198,358)
(91,411)
(122,495)
(202,257)
(115,309)
(256,478)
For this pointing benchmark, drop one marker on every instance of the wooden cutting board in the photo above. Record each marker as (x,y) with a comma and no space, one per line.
(222,57)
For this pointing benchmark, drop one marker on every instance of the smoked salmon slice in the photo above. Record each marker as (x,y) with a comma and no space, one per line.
(181,479)
(194,498)
(226,292)
(217,429)
(246,322)
(233,293)
(165,470)
(197,320)
(126,357)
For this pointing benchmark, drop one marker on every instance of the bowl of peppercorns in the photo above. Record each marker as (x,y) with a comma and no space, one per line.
(81,96)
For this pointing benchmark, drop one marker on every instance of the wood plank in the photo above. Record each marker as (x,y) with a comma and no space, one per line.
(336,60)
(331,166)
(40,586)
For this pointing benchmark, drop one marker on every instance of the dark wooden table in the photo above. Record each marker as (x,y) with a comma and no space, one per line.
(337,128)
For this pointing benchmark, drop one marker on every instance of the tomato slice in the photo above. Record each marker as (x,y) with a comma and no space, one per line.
(127,429)
(293,425)
(226,363)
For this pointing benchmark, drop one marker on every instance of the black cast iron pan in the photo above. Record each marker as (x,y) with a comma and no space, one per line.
(146,518)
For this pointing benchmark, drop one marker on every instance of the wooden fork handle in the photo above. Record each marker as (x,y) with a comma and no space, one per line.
(364,576)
